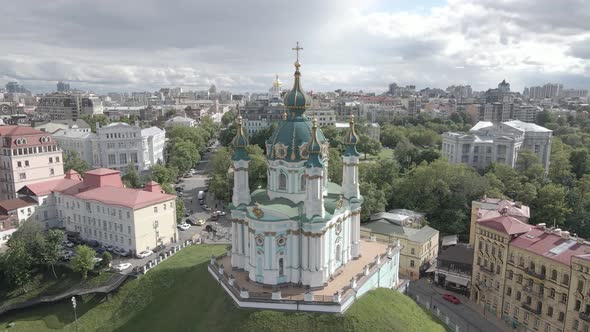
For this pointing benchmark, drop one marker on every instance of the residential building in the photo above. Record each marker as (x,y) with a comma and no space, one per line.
(63,87)
(490,142)
(116,145)
(28,156)
(533,277)
(488,207)
(419,242)
(99,207)
(68,106)
(454,266)
(13,213)
(526,113)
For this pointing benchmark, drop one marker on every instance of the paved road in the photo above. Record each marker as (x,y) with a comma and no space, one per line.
(463,315)
(192,186)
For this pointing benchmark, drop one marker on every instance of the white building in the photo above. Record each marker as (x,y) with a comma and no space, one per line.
(490,142)
(116,145)
(181,121)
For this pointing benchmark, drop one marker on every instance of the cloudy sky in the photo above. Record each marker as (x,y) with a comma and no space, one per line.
(133,45)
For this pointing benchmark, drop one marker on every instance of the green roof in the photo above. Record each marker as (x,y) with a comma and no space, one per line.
(292,133)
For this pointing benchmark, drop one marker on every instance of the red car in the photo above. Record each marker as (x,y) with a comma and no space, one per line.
(451,298)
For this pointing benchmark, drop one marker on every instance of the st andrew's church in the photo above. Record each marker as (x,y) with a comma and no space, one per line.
(302,228)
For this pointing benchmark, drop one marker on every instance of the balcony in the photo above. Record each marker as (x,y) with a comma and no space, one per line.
(529,307)
(534,274)
(585,316)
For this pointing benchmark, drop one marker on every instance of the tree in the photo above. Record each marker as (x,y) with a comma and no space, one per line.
(526,159)
(180,210)
(580,161)
(374,200)
(227,135)
(334,137)
(257,169)
(17,265)
(52,248)
(406,153)
(559,166)
(335,166)
(107,258)
(260,137)
(162,174)
(392,135)
(73,161)
(544,117)
(550,206)
(92,120)
(183,155)
(228,118)
(83,260)
(131,178)
(368,145)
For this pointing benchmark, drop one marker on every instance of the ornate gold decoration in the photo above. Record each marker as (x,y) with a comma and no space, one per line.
(340,201)
(258,211)
(293,146)
(304,151)
(280,151)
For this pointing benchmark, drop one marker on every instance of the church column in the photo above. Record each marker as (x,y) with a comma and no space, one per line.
(356,236)
(304,255)
(234,239)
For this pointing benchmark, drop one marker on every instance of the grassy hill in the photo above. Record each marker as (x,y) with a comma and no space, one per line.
(179,295)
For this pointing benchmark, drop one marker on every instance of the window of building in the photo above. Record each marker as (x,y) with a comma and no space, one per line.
(412,263)
(518,295)
(155,209)
(133,157)
(26,163)
(19,164)
(51,160)
(509,291)
(552,293)
(554,274)
(563,298)
(112,159)
(412,251)
(51,171)
(561,316)
(123,158)
(57,159)
(282,181)
(128,214)
(550,311)
(22,176)
(566,279)
(128,229)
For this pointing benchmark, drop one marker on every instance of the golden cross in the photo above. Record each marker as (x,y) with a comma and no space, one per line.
(297,49)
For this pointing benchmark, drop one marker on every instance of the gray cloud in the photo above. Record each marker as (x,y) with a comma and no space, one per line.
(240,45)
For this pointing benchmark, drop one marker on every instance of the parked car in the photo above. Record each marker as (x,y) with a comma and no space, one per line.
(201,222)
(159,247)
(93,243)
(451,298)
(97,260)
(122,267)
(68,244)
(121,252)
(67,255)
(108,247)
(144,254)
(184,226)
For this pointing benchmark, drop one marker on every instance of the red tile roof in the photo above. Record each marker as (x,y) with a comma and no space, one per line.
(108,192)
(16,203)
(505,224)
(33,136)
(541,243)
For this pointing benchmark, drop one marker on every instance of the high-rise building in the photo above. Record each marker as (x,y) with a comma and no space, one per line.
(504,87)
(63,87)
(29,156)
(66,106)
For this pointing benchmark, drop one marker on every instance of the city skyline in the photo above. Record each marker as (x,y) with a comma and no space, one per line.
(352,45)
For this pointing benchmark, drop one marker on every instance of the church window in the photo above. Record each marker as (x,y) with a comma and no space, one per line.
(281,270)
(281,241)
(302,183)
(259,240)
(282,181)
(338,253)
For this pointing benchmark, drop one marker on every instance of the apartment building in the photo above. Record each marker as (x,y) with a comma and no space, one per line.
(13,213)
(99,207)
(68,106)
(28,156)
(533,277)
(116,145)
(488,207)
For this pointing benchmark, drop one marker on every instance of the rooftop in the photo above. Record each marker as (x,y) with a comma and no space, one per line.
(101,185)
(16,203)
(552,244)
(460,253)
(384,227)
(505,224)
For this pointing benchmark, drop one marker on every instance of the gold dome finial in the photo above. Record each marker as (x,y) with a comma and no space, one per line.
(314,122)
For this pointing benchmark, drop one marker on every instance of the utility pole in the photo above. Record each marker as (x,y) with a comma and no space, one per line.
(75,314)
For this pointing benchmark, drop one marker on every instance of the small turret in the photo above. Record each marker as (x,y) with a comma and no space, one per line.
(314,148)
(240,142)
(351,139)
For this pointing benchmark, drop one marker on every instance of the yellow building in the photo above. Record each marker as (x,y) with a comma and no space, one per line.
(532,277)
(489,207)
(419,243)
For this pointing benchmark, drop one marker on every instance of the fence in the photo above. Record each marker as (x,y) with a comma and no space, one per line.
(141,270)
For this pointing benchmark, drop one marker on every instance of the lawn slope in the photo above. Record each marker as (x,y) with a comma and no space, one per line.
(180,295)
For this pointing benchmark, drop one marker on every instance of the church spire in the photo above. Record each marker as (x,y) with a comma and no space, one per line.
(314,148)
(351,139)
(240,142)
(296,99)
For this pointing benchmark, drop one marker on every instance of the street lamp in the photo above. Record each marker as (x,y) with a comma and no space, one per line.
(75,314)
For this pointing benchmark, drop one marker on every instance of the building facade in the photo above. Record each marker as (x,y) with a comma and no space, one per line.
(533,277)
(28,156)
(419,242)
(100,208)
(66,106)
(116,146)
(490,142)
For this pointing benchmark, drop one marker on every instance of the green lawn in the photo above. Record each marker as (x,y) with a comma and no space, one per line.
(385,153)
(180,295)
